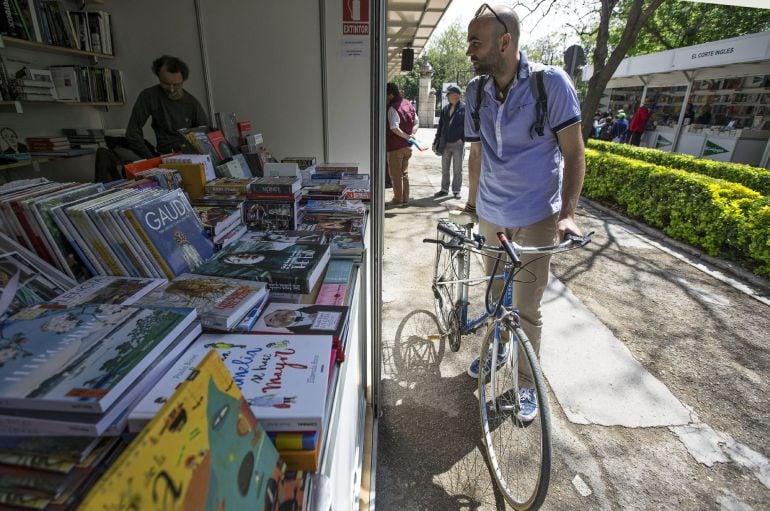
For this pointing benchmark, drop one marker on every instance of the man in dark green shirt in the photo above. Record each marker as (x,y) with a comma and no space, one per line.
(169,105)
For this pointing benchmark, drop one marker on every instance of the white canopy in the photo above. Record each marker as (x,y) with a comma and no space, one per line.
(739,56)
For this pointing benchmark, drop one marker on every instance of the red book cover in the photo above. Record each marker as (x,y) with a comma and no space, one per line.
(220,144)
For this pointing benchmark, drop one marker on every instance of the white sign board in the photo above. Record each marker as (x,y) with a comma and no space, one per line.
(719,53)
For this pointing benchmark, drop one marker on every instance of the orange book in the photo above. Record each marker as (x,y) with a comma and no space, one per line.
(134,167)
(193,177)
(302,460)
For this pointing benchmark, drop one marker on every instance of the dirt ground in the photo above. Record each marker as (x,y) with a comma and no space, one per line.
(702,338)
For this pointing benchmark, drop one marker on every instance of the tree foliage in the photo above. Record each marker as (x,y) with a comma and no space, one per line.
(676,24)
(409,83)
(447,56)
(548,49)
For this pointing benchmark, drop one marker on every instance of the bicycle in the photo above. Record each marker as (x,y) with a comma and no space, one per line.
(521,472)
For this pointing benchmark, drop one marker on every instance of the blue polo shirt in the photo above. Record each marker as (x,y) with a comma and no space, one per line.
(521,172)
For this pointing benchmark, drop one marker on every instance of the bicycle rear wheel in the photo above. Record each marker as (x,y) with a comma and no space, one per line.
(445,276)
(518,453)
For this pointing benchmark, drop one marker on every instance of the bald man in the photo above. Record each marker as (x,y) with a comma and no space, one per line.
(528,184)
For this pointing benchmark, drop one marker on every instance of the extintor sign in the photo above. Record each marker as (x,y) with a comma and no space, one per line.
(355,17)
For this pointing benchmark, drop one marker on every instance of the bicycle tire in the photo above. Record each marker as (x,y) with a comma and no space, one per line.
(519,454)
(445,295)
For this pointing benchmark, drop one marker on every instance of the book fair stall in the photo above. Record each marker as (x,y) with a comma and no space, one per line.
(711,100)
(197,326)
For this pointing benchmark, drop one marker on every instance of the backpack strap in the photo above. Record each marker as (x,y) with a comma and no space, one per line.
(479,92)
(537,87)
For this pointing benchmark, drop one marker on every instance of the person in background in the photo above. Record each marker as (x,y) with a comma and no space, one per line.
(529,185)
(689,114)
(402,124)
(639,121)
(619,127)
(170,106)
(704,117)
(450,142)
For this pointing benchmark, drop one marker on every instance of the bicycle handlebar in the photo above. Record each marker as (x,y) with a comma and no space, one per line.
(511,248)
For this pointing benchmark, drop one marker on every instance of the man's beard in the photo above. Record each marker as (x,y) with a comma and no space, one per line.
(489,65)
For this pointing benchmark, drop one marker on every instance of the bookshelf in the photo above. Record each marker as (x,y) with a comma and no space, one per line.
(6,41)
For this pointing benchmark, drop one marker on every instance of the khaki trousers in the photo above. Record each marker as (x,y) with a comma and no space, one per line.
(398,162)
(527,295)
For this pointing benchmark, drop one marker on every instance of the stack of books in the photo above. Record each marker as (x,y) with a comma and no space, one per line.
(343,221)
(76,370)
(337,284)
(168,179)
(223,224)
(48,144)
(85,138)
(52,472)
(272,203)
(284,380)
(221,303)
(35,85)
(205,442)
(286,267)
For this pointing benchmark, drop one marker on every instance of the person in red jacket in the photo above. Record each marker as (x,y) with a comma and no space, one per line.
(639,122)
(402,124)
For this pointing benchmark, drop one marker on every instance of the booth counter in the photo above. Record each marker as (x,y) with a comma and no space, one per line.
(738,146)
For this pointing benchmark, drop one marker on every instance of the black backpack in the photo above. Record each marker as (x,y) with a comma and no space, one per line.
(536,87)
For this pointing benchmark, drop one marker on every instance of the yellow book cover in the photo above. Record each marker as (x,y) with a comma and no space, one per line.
(203,451)
(193,177)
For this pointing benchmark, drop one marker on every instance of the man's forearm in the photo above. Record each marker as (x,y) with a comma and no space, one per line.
(572,185)
(474,171)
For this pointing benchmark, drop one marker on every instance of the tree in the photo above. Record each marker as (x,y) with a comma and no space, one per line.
(409,83)
(679,24)
(634,15)
(447,56)
(548,49)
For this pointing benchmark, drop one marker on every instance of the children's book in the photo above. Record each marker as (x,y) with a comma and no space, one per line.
(81,358)
(204,450)
(285,267)
(221,302)
(113,422)
(108,289)
(283,378)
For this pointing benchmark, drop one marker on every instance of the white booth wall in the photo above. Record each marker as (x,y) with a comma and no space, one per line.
(265,64)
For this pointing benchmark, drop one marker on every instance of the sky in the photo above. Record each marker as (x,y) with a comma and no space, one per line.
(463,10)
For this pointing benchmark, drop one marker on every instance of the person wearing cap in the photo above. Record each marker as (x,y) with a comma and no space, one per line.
(450,142)
(402,124)
(619,126)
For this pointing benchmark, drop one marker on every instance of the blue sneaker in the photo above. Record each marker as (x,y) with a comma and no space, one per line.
(528,404)
(502,356)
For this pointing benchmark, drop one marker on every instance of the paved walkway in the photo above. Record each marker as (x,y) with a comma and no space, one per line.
(615,423)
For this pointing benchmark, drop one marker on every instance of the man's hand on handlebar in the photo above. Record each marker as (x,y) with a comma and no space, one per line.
(567,225)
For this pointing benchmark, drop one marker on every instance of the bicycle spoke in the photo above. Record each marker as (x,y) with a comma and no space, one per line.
(518,453)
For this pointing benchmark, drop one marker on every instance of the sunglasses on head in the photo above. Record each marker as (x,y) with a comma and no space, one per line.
(484,7)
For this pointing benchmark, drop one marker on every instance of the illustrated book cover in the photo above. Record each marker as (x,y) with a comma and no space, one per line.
(108,290)
(170,225)
(204,450)
(284,379)
(81,358)
(221,302)
(285,267)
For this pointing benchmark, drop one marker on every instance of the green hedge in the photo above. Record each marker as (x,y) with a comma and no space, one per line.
(726,219)
(753,177)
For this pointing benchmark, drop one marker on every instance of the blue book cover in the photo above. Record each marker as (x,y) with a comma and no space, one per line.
(82,358)
(172,226)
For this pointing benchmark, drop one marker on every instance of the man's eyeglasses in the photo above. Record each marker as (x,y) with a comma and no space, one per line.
(480,11)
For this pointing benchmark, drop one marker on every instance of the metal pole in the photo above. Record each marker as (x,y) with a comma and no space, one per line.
(204,60)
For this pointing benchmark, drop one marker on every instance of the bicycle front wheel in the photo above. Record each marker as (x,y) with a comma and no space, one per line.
(445,276)
(519,453)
